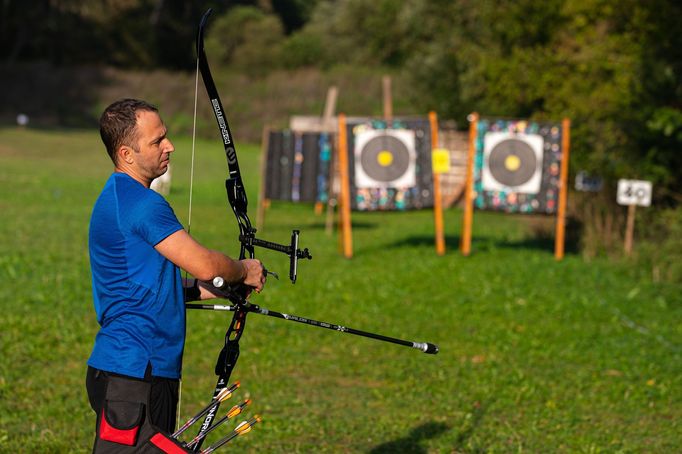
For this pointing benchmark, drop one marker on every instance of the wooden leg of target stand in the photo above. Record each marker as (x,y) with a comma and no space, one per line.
(263,201)
(467,218)
(344,202)
(559,237)
(437,198)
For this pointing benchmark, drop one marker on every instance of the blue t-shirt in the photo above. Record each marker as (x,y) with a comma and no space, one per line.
(137,291)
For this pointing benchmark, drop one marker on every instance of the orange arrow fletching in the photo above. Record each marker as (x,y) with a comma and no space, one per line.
(242,428)
(245,427)
(237,409)
(225,394)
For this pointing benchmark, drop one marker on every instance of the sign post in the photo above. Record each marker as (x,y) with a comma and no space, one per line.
(632,193)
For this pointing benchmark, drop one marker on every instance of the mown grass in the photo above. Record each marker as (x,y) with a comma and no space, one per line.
(536,355)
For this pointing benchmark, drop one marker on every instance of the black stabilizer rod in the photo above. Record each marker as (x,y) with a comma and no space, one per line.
(425,347)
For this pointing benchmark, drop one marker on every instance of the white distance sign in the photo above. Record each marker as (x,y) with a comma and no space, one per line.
(634,192)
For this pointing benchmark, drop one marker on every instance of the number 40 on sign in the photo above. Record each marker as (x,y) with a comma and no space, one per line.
(632,193)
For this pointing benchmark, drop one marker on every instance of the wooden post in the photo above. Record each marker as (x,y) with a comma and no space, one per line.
(263,202)
(328,127)
(559,237)
(329,108)
(437,198)
(347,236)
(630,229)
(388,100)
(465,243)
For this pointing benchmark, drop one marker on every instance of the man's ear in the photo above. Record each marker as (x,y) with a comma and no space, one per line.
(125,154)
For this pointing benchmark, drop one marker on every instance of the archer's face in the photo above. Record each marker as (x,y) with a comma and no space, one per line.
(152,154)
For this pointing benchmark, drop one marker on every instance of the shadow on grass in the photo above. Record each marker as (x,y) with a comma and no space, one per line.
(359,225)
(471,424)
(412,442)
(483,244)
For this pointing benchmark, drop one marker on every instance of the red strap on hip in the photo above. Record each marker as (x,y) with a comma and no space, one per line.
(163,443)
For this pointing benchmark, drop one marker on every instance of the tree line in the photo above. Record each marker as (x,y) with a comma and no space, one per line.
(612,66)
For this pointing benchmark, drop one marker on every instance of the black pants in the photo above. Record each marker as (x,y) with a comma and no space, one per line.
(162,399)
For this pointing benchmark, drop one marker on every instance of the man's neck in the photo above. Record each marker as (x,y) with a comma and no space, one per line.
(134,175)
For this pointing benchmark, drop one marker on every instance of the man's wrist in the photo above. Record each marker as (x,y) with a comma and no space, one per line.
(193,293)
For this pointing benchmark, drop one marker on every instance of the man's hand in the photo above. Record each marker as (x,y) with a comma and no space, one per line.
(254,274)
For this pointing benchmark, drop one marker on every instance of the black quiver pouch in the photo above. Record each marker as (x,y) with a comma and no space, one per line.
(124,424)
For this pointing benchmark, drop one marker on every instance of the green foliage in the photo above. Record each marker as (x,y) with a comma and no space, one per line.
(589,61)
(301,50)
(668,122)
(609,66)
(536,355)
(246,38)
(663,157)
(441,65)
(658,244)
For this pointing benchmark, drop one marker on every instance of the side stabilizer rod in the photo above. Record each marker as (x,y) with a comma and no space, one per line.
(425,347)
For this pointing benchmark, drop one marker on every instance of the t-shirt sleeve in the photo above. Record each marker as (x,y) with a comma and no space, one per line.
(153,219)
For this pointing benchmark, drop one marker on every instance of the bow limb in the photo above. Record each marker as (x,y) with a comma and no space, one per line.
(234,185)
(237,200)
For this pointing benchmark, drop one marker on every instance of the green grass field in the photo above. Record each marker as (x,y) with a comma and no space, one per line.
(535,355)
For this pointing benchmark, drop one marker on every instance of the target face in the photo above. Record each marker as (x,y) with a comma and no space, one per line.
(385,158)
(513,162)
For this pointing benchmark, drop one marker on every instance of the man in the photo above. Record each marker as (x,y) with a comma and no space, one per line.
(137,247)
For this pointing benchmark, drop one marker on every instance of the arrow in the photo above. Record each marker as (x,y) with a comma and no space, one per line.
(242,429)
(224,394)
(234,411)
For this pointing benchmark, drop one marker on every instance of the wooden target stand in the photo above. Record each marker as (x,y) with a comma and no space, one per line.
(467,219)
(345,223)
(339,196)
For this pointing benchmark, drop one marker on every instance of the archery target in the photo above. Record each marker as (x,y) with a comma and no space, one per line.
(512,162)
(385,158)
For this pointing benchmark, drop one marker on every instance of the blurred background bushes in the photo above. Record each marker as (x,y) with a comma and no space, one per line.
(612,66)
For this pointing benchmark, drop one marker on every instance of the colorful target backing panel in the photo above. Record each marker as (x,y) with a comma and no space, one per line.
(517,166)
(390,164)
(298,166)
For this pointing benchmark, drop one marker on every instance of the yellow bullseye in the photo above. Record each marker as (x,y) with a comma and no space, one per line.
(512,163)
(385,158)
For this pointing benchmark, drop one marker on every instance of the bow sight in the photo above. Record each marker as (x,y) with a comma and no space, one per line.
(236,195)
(292,250)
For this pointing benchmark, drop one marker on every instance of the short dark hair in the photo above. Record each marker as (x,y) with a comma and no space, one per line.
(118,124)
